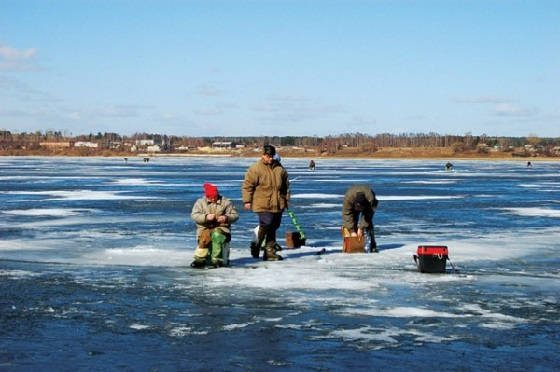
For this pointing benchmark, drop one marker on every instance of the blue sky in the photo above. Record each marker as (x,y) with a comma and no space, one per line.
(273,67)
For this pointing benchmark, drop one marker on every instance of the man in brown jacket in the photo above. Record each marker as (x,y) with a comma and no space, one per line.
(359,200)
(266,191)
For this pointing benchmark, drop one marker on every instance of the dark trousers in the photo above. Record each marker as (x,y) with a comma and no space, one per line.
(268,224)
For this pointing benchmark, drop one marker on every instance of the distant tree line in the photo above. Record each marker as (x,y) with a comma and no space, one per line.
(330,144)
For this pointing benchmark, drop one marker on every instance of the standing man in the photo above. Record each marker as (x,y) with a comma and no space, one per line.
(359,199)
(213,215)
(266,191)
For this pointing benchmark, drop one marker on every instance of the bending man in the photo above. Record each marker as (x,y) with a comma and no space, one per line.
(359,200)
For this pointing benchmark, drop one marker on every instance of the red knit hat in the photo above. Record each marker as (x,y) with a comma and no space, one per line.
(210,190)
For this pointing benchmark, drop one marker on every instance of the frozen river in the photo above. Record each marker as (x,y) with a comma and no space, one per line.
(95,253)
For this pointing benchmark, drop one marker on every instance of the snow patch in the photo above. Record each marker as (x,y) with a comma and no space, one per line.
(533,212)
(54,212)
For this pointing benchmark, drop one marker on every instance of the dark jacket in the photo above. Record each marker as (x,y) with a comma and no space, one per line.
(350,215)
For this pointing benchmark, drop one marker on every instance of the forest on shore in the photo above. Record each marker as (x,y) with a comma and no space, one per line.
(406,145)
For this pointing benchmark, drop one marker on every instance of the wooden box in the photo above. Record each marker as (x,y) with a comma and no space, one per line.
(294,240)
(353,244)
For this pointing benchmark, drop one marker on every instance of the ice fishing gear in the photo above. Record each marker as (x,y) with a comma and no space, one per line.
(255,247)
(294,239)
(259,235)
(431,258)
(352,244)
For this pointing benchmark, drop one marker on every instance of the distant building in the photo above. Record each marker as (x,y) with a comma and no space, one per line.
(223,145)
(86,144)
(145,142)
(154,148)
(185,148)
(54,144)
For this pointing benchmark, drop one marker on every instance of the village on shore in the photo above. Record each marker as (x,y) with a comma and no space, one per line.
(52,143)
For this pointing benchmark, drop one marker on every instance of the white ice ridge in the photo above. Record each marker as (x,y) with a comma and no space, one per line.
(141,255)
(54,212)
(402,312)
(17,274)
(533,212)
(316,196)
(417,197)
(432,182)
(380,197)
(379,338)
(325,205)
(81,195)
(134,182)
(145,182)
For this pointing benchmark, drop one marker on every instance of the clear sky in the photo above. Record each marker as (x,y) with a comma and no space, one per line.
(280,67)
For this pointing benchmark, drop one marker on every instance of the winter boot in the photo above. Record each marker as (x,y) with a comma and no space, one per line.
(256,245)
(270,253)
(372,243)
(255,250)
(197,264)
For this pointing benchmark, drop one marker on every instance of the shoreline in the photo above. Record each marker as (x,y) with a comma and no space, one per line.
(295,156)
(381,153)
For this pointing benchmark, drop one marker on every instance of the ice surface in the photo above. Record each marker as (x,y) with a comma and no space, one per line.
(106,247)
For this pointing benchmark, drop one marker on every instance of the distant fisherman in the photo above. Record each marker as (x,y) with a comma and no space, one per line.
(266,191)
(312,165)
(359,200)
(213,215)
